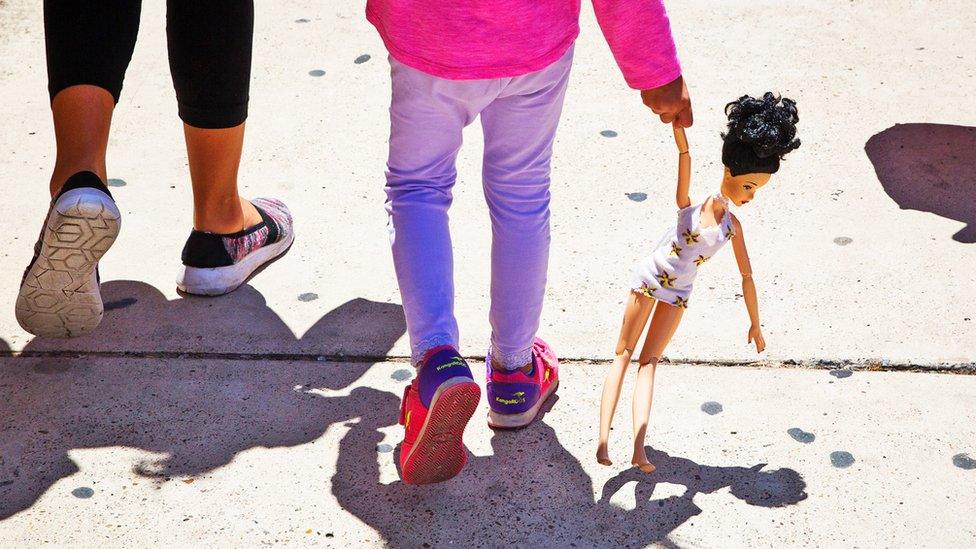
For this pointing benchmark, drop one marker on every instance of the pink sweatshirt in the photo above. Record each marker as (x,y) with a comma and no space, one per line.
(474,39)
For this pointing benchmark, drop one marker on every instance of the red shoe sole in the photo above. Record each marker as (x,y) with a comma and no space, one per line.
(438,454)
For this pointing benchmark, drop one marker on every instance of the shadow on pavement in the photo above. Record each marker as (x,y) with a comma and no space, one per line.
(929,168)
(196,414)
(532,492)
(753,485)
(139,318)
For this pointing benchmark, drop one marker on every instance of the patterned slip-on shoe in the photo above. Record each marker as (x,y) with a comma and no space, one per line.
(215,264)
(59,294)
(515,397)
(436,408)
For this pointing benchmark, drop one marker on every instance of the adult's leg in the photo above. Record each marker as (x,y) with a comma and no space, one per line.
(427,115)
(88,45)
(210,61)
(519,130)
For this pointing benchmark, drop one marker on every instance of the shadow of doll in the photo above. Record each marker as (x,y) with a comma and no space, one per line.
(532,492)
(753,485)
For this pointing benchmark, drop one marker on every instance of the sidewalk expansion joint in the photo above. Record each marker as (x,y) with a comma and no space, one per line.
(869,365)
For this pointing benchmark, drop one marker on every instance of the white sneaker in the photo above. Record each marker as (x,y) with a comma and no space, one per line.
(59,294)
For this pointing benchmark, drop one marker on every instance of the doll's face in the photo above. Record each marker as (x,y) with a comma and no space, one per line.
(741,189)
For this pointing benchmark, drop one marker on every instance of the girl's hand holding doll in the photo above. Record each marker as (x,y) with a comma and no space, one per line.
(671,102)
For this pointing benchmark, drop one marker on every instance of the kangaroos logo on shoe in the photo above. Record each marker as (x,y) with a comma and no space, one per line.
(519,398)
(456,361)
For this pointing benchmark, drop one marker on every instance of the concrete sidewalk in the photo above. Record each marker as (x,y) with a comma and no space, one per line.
(190,452)
(269,415)
(848,267)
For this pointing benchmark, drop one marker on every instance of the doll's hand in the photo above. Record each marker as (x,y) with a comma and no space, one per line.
(755,334)
(671,102)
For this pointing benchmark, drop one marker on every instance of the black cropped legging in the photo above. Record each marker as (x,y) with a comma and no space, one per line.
(91,42)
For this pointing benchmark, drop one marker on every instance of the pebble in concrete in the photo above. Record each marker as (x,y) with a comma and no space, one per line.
(120,303)
(116,183)
(711,408)
(384,448)
(402,374)
(800,435)
(841,374)
(308,296)
(963,461)
(608,133)
(841,460)
(843,240)
(362,59)
(637,197)
(83,492)
(316,72)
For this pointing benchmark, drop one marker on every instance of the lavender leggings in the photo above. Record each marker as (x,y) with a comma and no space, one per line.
(519,116)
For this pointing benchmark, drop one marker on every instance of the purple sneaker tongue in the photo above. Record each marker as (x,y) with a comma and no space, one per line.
(438,368)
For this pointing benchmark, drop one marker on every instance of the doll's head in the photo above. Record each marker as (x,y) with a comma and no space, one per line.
(761,132)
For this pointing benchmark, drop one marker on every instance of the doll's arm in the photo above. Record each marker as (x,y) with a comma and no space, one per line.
(748,285)
(684,167)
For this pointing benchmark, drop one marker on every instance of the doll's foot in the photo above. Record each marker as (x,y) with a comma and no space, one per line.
(647,467)
(641,462)
(602,456)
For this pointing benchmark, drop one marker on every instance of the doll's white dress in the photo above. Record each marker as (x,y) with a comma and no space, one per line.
(669,272)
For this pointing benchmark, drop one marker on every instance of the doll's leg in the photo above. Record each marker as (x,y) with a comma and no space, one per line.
(663,325)
(635,317)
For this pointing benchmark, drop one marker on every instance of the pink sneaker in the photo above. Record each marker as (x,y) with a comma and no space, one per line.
(435,410)
(515,398)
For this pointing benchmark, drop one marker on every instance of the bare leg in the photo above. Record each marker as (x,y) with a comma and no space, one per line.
(635,317)
(82,118)
(214,156)
(663,325)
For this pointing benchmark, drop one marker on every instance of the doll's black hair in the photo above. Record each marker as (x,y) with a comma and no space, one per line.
(761,132)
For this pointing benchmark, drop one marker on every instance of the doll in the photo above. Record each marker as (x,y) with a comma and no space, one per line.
(760,133)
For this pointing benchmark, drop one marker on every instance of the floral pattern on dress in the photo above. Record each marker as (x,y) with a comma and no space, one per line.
(647,290)
(668,273)
(666,280)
